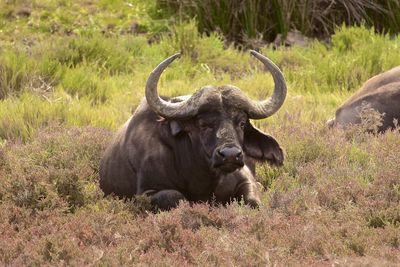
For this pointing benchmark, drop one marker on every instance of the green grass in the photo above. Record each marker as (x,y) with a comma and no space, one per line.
(71,73)
(244,22)
(70,78)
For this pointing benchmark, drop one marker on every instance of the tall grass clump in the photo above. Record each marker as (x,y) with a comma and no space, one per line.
(241,20)
(204,54)
(110,55)
(18,72)
(235,20)
(82,81)
(15,70)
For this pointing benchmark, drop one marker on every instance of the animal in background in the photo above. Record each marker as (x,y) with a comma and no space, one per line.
(380,93)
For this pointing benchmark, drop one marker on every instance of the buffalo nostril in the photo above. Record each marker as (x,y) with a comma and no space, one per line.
(230,153)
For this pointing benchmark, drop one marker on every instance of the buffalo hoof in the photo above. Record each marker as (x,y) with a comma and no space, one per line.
(166,199)
(253,203)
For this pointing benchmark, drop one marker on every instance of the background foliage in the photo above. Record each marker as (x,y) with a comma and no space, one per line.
(241,20)
(72,72)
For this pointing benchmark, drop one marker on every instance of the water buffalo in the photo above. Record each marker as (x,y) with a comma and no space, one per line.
(380,93)
(200,147)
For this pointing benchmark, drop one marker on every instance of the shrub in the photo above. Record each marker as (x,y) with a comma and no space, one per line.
(56,169)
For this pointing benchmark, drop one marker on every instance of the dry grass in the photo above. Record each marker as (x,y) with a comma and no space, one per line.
(335,201)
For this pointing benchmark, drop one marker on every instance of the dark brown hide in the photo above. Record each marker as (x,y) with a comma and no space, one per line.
(381,93)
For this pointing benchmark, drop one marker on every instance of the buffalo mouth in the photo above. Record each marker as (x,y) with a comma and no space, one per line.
(229,166)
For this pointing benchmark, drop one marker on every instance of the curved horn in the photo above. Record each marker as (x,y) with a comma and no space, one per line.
(163,108)
(264,109)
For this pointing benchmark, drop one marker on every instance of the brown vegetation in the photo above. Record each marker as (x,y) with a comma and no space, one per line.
(336,201)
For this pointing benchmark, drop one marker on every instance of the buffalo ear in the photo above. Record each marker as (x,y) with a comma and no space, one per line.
(175,127)
(261,146)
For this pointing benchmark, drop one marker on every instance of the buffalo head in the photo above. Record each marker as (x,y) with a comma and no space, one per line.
(217,119)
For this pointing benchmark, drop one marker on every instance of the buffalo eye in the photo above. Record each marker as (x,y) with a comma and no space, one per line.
(203,125)
(242,124)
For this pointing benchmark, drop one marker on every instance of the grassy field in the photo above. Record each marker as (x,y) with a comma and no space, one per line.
(72,72)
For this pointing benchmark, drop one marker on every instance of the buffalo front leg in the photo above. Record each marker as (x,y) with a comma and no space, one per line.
(166,199)
(238,185)
(248,191)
